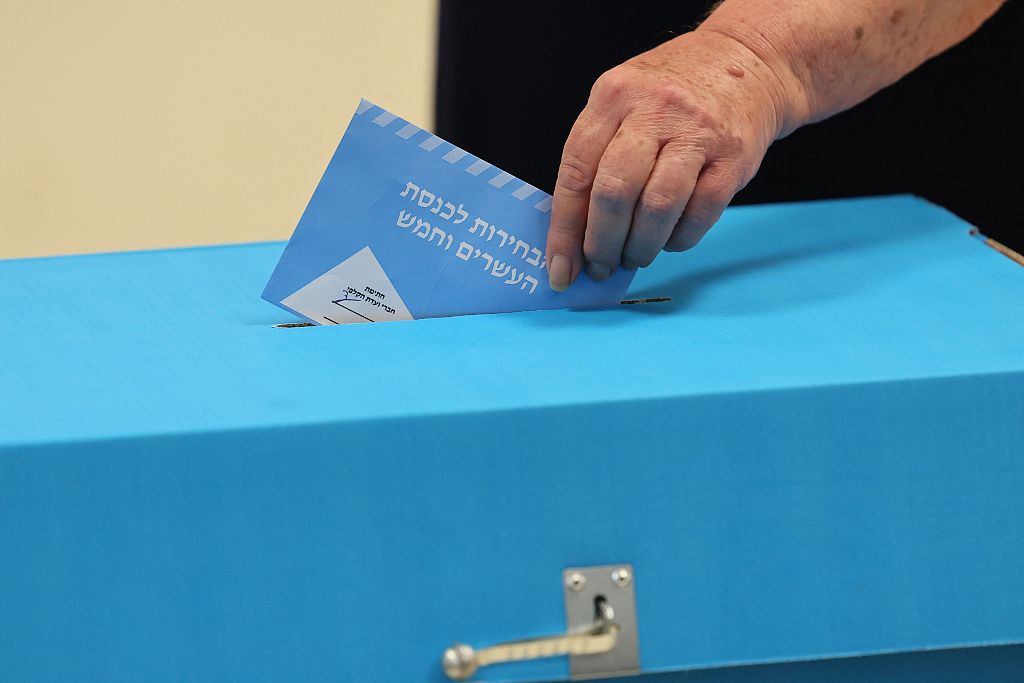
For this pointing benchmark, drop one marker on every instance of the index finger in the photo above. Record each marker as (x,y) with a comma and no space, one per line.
(583,149)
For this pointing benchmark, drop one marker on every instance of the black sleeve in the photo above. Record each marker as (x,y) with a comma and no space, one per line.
(511,82)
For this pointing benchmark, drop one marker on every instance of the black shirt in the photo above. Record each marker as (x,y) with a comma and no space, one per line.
(512,81)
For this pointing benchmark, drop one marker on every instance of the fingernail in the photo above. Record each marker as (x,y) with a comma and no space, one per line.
(560,273)
(598,272)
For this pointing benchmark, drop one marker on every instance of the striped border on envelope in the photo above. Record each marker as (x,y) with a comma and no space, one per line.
(430,143)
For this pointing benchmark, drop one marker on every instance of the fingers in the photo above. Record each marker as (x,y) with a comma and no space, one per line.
(661,204)
(619,201)
(711,194)
(624,169)
(586,144)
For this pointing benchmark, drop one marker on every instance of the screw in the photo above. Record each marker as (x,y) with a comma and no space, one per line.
(575,581)
(622,577)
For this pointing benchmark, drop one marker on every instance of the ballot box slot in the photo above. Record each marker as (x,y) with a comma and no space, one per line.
(624,302)
(288,326)
(601,638)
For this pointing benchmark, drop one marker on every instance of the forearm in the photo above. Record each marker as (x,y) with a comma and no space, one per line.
(828,55)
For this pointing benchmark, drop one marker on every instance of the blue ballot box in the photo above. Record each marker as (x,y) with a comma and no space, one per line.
(808,465)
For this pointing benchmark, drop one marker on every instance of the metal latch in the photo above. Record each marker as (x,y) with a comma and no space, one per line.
(601,637)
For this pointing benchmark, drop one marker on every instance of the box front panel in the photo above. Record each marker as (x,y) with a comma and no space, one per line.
(764,526)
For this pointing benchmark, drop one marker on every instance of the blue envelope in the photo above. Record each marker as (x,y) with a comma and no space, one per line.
(404,225)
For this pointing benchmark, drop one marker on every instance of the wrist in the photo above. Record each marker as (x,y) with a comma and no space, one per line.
(771,59)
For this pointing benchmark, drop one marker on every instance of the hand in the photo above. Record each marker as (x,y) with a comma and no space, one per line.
(664,143)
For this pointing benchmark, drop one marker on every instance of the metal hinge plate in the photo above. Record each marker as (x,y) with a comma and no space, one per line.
(585,588)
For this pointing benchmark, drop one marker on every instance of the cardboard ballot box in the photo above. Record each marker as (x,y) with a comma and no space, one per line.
(808,465)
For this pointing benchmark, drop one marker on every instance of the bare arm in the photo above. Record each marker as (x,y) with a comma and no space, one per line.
(837,54)
(670,136)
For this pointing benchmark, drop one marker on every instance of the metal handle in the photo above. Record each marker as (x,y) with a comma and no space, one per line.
(461,661)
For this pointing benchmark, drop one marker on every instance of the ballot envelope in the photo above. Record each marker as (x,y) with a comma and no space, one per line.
(808,465)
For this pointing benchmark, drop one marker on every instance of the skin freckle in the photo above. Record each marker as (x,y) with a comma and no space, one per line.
(897,17)
(734,71)
(858,32)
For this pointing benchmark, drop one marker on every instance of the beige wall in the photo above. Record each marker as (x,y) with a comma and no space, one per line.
(137,124)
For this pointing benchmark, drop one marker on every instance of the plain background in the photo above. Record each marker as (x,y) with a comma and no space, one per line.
(142,124)
(133,124)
